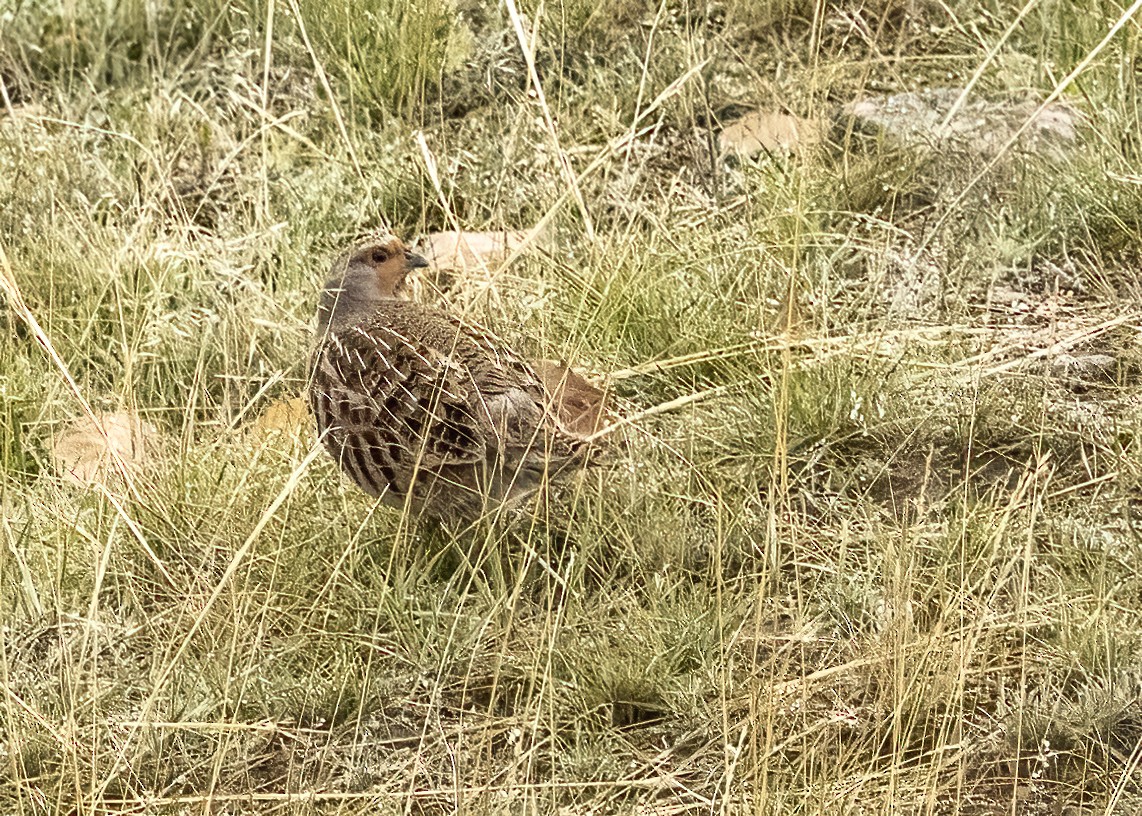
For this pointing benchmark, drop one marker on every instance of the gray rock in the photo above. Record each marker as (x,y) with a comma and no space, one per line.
(981,125)
(1085,367)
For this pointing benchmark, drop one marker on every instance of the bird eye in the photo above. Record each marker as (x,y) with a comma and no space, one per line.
(380,256)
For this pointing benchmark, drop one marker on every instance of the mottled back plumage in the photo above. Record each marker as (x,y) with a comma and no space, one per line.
(422,409)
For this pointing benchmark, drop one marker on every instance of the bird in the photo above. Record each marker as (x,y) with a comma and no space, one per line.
(426,411)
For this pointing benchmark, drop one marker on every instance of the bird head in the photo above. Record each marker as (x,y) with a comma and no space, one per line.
(361,279)
(388,264)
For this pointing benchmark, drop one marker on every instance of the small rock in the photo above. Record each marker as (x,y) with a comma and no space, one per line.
(285,418)
(460,251)
(759,132)
(1085,367)
(980,125)
(83,451)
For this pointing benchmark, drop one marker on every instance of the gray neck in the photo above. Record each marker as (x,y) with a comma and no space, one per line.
(348,298)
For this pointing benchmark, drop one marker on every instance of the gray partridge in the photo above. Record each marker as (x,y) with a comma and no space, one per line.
(426,411)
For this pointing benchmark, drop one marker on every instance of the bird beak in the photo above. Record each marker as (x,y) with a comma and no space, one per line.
(414,261)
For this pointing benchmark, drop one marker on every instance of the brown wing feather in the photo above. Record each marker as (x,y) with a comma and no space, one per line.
(413,399)
(387,407)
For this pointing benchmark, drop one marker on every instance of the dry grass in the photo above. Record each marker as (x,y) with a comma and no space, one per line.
(870,542)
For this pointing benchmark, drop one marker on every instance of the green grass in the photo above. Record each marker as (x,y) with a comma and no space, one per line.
(881,556)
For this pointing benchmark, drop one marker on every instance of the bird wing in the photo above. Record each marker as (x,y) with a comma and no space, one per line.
(417,401)
(508,391)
